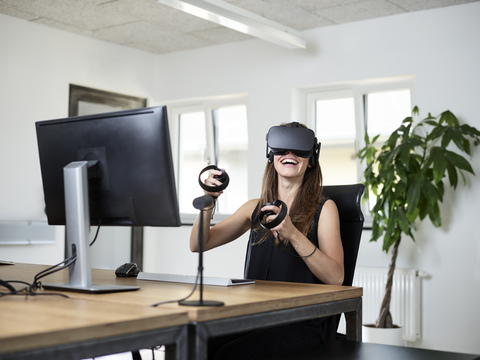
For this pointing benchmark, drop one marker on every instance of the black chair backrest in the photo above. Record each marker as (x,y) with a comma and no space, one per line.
(348,201)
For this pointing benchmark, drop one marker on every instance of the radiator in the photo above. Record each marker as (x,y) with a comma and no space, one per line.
(405,305)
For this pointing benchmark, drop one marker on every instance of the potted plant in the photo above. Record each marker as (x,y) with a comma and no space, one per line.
(407,175)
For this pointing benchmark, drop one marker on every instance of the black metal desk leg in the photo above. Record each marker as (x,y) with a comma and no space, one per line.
(179,350)
(354,323)
(197,342)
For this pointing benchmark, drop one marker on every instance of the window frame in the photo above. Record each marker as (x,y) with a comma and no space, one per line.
(358,90)
(207,106)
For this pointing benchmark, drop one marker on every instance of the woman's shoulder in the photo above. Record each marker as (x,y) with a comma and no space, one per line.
(325,208)
(329,210)
(329,204)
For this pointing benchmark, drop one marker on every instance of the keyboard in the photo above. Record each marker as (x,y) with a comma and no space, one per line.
(190,279)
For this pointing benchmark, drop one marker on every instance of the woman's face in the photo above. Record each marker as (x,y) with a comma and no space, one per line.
(290,165)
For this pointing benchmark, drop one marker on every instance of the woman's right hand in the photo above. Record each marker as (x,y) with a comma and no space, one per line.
(212,181)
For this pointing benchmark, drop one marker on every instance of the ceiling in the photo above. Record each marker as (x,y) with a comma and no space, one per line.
(156,28)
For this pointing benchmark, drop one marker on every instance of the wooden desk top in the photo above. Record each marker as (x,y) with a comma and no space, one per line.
(263,296)
(30,322)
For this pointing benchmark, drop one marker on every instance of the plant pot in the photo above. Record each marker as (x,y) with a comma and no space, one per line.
(387,336)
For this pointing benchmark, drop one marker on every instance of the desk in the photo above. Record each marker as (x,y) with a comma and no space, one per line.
(247,307)
(53,327)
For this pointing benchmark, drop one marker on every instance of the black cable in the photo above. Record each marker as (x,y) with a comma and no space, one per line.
(185,298)
(8,286)
(96,234)
(29,289)
(68,262)
(32,293)
(53,269)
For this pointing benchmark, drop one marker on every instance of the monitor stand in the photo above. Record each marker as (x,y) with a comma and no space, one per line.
(77,214)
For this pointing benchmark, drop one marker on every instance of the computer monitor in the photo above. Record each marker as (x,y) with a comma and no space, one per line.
(112,168)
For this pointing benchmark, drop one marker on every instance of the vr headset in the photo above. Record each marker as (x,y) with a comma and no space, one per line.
(301,141)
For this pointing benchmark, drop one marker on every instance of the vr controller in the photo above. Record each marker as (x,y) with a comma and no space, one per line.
(223,178)
(301,141)
(281,215)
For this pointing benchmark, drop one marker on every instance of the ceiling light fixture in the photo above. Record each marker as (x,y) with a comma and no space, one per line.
(241,20)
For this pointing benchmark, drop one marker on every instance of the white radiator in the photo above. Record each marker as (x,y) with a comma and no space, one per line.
(405,305)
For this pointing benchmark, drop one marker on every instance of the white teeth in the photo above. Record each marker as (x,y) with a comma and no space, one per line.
(289,161)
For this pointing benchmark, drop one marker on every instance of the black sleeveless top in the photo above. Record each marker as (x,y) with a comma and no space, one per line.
(268,261)
(279,263)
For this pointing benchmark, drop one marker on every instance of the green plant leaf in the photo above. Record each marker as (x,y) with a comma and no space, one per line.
(434,215)
(466,146)
(423,209)
(388,239)
(431,122)
(430,192)
(377,230)
(458,161)
(439,163)
(448,118)
(402,220)
(462,143)
(470,131)
(407,173)
(413,194)
(448,136)
(412,214)
(436,133)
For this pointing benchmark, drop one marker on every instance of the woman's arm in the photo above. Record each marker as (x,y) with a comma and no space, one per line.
(225,231)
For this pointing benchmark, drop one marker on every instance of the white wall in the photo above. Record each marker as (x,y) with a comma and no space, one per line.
(37,64)
(439,47)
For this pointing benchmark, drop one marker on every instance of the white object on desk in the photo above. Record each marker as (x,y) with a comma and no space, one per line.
(190,279)
(6,262)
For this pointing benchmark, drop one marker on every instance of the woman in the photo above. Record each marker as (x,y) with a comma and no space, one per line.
(305,247)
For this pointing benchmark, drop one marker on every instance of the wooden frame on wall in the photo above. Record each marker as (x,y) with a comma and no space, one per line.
(86,101)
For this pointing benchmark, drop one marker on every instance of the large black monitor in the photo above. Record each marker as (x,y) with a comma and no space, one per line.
(111,169)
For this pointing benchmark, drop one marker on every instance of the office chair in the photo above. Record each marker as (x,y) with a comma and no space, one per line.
(348,201)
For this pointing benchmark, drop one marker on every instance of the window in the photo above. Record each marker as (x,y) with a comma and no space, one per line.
(341,115)
(210,133)
(335,129)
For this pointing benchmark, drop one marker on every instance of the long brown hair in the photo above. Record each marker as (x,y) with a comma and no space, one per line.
(306,200)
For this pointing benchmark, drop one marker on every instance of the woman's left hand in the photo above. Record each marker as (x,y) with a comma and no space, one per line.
(283,231)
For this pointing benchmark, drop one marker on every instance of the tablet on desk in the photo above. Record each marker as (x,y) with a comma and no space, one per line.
(6,262)
(190,279)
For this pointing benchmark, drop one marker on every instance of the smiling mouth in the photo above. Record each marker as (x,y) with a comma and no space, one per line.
(289,162)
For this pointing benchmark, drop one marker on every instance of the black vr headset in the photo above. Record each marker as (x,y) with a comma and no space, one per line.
(301,141)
